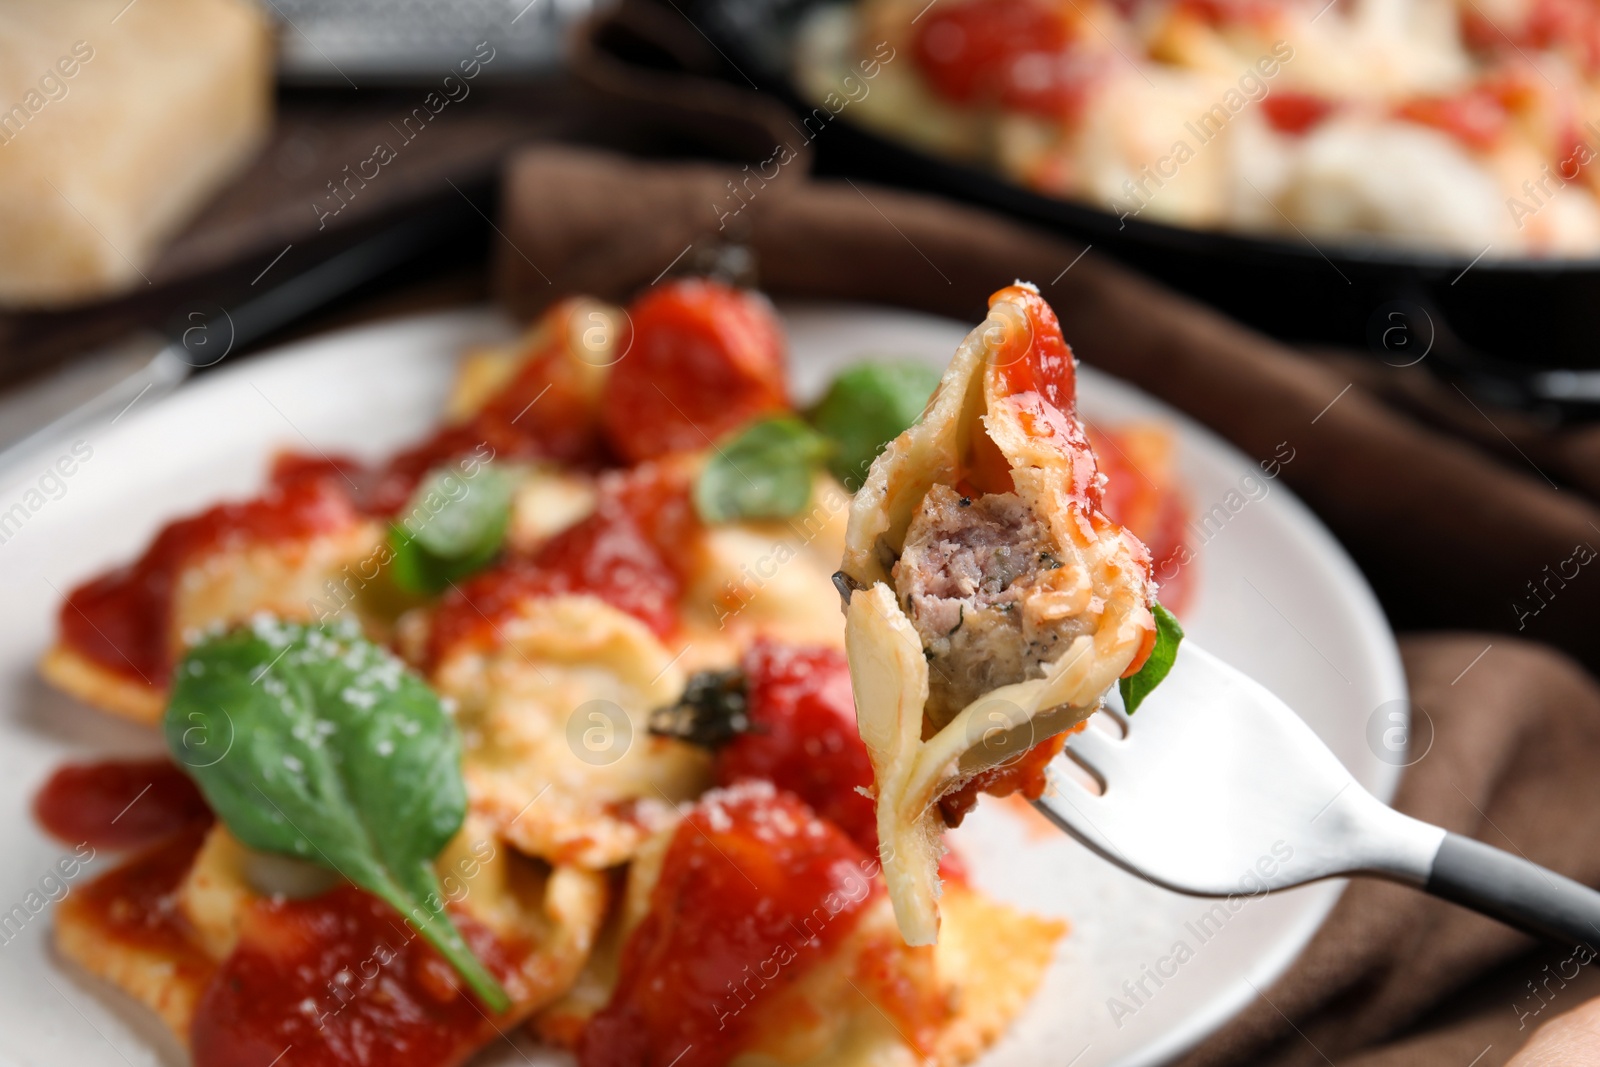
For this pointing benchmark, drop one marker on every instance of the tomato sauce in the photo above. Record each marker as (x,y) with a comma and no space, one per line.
(1477,118)
(1262,14)
(341,979)
(136,905)
(803,736)
(1571,27)
(1038,373)
(548,410)
(631,553)
(1015,53)
(804,739)
(119,803)
(1295,113)
(754,889)
(702,359)
(1025,776)
(122,620)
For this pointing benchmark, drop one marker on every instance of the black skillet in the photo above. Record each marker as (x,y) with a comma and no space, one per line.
(1516,332)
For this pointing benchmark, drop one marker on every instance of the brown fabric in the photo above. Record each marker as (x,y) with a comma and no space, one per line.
(1448,532)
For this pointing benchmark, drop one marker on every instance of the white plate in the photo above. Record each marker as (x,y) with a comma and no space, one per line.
(1276,596)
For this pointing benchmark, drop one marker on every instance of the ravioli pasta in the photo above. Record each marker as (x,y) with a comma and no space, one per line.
(594,835)
(992,604)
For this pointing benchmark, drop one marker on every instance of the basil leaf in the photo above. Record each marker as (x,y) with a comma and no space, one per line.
(761,472)
(867,406)
(335,753)
(1168,636)
(452,526)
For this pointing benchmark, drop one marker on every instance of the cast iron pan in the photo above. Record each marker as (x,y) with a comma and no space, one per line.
(1517,332)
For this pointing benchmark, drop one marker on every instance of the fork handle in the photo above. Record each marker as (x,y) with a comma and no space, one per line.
(1515,891)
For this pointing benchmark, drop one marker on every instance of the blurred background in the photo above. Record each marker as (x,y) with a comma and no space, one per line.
(1405,183)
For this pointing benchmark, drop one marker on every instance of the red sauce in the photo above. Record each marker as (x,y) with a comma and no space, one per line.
(1477,118)
(1258,13)
(119,803)
(702,359)
(1038,374)
(1568,26)
(1025,776)
(136,904)
(1295,113)
(1015,53)
(122,619)
(1572,26)
(754,889)
(804,737)
(341,979)
(630,553)
(1036,358)
(548,410)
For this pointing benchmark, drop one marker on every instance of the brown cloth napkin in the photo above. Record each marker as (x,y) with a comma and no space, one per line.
(1449,533)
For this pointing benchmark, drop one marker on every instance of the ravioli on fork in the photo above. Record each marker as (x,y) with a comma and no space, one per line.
(991,603)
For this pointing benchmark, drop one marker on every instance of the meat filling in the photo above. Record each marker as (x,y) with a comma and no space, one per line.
(985,586)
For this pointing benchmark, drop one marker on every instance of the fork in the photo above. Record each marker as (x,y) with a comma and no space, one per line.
(1219,789)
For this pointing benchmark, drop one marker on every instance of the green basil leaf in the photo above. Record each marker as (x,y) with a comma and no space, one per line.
(452,526)
(333,752)
(763,471)
(416,570)
(1168,636)
(867,406)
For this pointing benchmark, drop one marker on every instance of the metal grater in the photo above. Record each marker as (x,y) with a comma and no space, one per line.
(333,42)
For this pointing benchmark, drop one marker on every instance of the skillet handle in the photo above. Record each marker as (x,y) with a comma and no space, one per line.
(1515,891)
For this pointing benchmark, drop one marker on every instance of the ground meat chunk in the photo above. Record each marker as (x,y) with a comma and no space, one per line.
(979,579)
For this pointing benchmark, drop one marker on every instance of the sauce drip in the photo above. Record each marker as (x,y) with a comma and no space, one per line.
(1025,776)
(119,803)
(1036,375)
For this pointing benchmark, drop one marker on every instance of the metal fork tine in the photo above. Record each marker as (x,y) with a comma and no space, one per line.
(1106,754)
(1063,781)
(1113,708)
